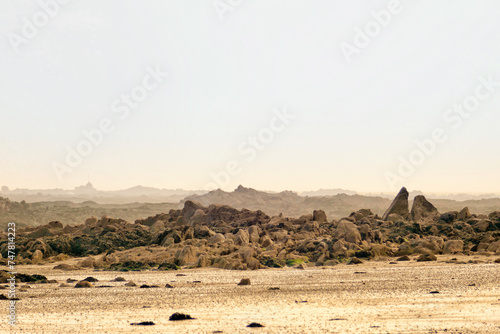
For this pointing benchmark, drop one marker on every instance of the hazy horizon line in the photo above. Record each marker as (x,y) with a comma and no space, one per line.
(231,189)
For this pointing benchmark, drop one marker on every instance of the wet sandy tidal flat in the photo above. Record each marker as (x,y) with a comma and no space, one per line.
(373,297)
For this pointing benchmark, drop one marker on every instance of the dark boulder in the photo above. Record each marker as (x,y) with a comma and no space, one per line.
(464,214)
(180,316)
(319,216)
(144,323)
(426,257)
(255,325)
(399,205)
(449,217)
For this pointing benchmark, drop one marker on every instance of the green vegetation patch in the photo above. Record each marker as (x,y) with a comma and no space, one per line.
(294,262)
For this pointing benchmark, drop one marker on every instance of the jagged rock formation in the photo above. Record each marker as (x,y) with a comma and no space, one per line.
(290,203)
(224,237)
(464,214)
(422,210)
(399,206)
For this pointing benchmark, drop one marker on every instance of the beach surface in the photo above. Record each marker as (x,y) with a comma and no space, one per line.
(373,297)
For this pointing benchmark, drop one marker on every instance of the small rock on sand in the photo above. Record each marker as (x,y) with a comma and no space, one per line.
(91,279)
(426,257)
(354,260)
(84,284)
(244,281)
(119,279)
(144,323)
(64,285)
(64,266)
(4,297)
(254,325)
(180,316)
(131,283)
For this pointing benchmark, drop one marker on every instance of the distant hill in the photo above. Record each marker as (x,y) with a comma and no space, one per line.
(140,202)
(328,192)
(455,197)
(335,206)
(290,203)
(141,194)
(87,192)
(29,214)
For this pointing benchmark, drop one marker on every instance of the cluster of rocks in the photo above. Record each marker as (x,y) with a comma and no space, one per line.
(224,237)
(95,236)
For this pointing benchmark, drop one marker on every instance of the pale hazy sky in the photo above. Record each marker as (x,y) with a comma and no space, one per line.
(229,71)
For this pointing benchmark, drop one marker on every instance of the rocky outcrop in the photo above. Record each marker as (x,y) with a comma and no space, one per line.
(348,231)
(186,255)
(464,214)
(399,206)
(190,209)
(422,210)
(217,238)
(453,247)
(319,216)
(224,237)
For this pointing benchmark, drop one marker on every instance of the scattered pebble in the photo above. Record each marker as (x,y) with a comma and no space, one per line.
(4,297)
(119,279)
(255,324)
(91,279)
(144,323)
(244,281)
(84,284)
(180,316)
(354,260)
(426,257)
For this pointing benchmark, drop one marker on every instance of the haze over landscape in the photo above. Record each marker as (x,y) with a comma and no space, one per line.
(227,166)
(353,117)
